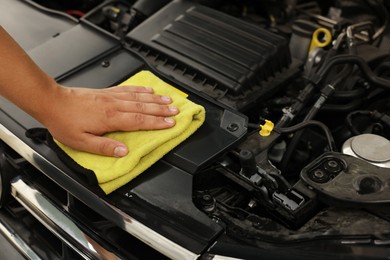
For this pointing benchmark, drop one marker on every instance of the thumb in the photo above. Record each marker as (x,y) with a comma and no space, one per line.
(104,146)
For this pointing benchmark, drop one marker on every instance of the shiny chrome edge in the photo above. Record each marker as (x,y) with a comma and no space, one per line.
(57,222)
(221,257)
(17,241)
(132,226)
(154,239)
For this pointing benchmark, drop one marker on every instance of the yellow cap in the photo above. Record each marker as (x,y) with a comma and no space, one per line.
(267,128)
(317,42)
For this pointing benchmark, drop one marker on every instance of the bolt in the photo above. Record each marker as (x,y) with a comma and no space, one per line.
(232,127)
(208,203)
(332,164)
(252,204)
(319,174)
(207,198)
(105,64)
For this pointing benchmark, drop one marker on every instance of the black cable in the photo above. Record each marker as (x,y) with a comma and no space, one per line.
(297,127)
(327,91)
(300,102)
(253,126)
(51,11)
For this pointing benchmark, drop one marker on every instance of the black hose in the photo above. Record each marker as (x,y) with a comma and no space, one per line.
(294,128)
(354,104)
(350,59)
(378,8)
(342,75)
(382,67)
(316,79)
(349,94)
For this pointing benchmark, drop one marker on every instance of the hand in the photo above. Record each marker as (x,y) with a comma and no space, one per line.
(78,117)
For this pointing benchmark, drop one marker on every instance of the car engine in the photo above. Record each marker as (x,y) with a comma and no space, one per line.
(324,167)
(295,151)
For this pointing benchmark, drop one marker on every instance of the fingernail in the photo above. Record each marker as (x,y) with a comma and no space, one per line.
(120,151)
(149,89)
(169,120)
(173,109)
(166,99)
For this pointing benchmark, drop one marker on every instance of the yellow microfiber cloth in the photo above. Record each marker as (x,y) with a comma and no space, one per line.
(145,147)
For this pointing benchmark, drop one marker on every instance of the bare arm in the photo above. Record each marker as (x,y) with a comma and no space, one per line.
(78,117)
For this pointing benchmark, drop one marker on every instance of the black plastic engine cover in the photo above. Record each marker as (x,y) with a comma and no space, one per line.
(25,22)
(210,51)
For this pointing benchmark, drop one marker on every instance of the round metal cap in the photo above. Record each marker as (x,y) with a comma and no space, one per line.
(371,147)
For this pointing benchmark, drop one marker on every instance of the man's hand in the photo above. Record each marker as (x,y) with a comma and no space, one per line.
(78,117)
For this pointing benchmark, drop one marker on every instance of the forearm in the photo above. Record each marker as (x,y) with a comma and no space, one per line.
(78,117)
(21,80)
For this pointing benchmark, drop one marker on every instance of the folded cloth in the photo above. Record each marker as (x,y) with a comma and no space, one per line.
(145,147)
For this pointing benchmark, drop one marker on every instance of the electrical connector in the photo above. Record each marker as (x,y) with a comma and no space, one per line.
(384,118)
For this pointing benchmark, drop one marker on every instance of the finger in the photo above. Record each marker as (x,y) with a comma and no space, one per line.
(137,93)
(136,89)
(143,97)
(103,146)
(147,108)
(137,121)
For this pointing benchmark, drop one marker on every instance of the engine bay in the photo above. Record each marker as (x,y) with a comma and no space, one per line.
(314,70)
(323,171)
(301,151)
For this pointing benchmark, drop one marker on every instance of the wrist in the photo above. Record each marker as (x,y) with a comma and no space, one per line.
(46,102)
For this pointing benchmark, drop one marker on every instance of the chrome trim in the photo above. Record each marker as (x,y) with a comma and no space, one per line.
(57,222)
(221,257)
(130,225)
(154,239)
(17,241)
